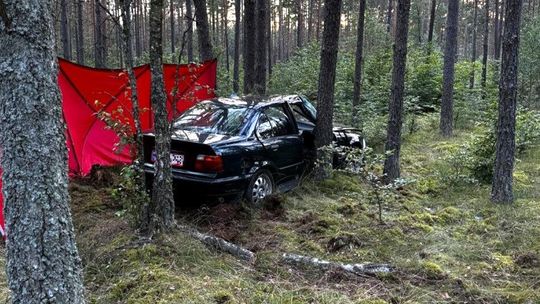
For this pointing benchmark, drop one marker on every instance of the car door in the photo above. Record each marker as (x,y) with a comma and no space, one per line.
(283,145)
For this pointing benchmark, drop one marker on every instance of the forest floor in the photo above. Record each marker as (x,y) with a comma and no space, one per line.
(448,243)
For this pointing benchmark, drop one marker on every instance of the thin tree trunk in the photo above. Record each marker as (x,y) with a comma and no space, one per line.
(358,61)
(64,30)
(189,26)
(447,103)
(300,25)
(496,35)
(431,24)
(269,36)
(249,46)
(473,45)
(173,33)
(261,48)
(43,264)
(281,38)
(80,33)
(125,6)
(389,16)
(203,31)
(327,78)
(486,49)
(161,213)
(395,110)
(318,32)
(501,191)
(310,20)
(226,36)
(236,68)
(100,39)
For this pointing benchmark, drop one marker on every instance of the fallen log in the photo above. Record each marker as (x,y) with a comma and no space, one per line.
(357,269)
(220,244)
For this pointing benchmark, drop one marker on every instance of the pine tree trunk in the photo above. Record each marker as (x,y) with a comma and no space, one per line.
(431,23)
(173,32)
(300,26)
(447,102)
(99,49)
(327,78)
(496,35)
(43,265)
(473,45)
(203,31)
(485,49)
(501,191)
(358,62)
(395,110)
(226,36)
(259,87)
(64,30)
(310,20)
(249,46)
(80,33)
(161,213)
(189,26)
(389,16)
(269,46)
(318,28)
(236,68)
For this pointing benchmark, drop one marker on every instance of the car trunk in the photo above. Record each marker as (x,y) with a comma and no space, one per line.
(189,151)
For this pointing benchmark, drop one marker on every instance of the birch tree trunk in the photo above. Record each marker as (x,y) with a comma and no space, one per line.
(43,265)
(395,110)
(501,191)
(447,103)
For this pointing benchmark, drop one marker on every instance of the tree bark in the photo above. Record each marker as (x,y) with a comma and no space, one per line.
(236,68)
(249,46)
(431,24)
(310,20)
(161,213)
(496,34)
(447,102)
(99,48)
(358,61)
(226,36)
(171,20)
(327,78)
(395,109)
(203,31)
(389,16)
(259,86)
(501,191)
(43,265)
(473,45)
(80,33)
(189,26)
(64,30)
(269,36)
(485,49)
(300,24)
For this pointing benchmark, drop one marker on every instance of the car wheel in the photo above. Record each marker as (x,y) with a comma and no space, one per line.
(260,187)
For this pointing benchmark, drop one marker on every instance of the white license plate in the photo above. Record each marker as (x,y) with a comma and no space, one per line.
(177,160)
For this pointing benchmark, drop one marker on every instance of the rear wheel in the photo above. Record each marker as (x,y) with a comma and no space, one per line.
(260,187)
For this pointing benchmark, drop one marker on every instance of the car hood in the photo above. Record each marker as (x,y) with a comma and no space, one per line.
(204,137)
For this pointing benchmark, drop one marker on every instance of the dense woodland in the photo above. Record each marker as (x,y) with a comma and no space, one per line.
(443,207)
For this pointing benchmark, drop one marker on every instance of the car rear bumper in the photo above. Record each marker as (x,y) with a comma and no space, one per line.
(195,185)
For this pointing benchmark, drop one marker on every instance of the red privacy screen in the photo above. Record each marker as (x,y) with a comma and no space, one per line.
(87,91)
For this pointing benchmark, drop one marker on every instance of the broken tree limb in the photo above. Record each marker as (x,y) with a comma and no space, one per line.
(357,269)
(220,244)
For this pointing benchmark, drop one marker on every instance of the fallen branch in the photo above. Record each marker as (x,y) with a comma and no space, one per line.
(357,269)
(220,244)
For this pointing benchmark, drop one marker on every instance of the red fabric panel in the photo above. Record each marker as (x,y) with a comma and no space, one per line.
(85,91)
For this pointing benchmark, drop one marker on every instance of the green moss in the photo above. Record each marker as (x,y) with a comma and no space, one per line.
(449,215)
(432,270)
(501,261)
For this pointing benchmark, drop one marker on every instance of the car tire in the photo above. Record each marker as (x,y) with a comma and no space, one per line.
(260,187)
